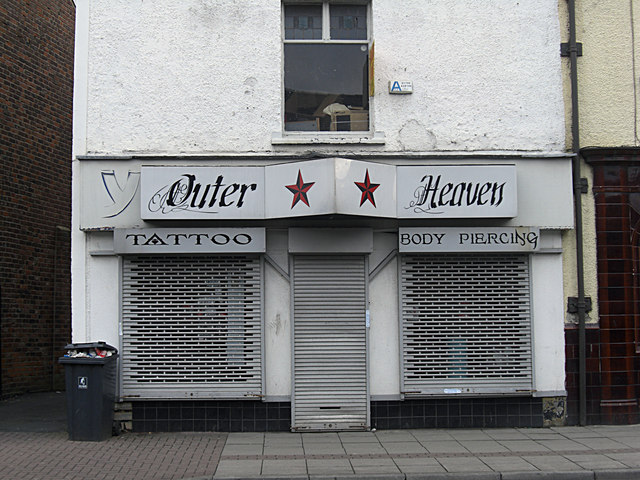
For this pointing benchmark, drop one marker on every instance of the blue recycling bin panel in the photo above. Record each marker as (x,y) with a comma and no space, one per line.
(91,386)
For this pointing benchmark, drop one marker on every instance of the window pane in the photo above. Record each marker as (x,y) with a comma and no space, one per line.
(326,87)
(303,22)
(348,22)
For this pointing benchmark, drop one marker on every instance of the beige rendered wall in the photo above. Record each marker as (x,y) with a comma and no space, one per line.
(607,73)
(608,107)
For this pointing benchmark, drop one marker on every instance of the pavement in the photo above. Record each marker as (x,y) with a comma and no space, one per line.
(35,445)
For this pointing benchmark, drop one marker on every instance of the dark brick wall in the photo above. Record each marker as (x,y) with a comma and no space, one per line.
(36,89)
(594,383)
(613,346)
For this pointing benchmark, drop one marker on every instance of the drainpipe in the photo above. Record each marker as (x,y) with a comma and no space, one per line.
(578,190)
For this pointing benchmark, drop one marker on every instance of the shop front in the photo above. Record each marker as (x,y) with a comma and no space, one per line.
(329,294)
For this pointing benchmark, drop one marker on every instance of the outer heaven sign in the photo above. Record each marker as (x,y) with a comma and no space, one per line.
(202,192)
(457,191)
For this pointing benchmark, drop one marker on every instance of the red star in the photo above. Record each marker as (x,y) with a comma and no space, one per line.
(367,188)
(300,190)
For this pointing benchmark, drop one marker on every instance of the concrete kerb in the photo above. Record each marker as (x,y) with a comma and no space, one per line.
(622,474)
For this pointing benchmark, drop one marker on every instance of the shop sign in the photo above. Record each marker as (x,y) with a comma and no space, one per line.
(126,195)
(189,240)
(210,193)
(469,239)
(330,186)
(457,191)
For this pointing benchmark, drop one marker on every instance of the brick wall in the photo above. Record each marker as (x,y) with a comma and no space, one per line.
(613,346)
(36,86)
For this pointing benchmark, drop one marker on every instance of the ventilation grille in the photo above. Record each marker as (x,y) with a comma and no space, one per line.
(191,326)
(466,324)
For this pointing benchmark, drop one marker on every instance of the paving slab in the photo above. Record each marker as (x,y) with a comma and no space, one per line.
(632,430)
(238,468)
(394,436)
(281,467)
(358,437)
(454,476)
(284,438)
(379,461)
(523,446)
(600,443)
(553,463)
(630,459)
(374,469)
(463,464)
(245,438)
(483,446)
(593,452)
(320,437)
(283,450)
(576,475)
(418,465)
(242,449)
(404,447)
(364,448)
(505,434)
(633,442)
(444,446)
(329,466)
(593,461)
(508,464)
(334,448)
(565,445)
(544,436)
(469,435)
(432,435)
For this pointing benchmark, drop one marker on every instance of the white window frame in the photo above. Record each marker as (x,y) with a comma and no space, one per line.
(292,137)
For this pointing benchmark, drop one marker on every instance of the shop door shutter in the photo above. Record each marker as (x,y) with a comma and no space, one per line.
(330,347)
(191,326)
(466,324)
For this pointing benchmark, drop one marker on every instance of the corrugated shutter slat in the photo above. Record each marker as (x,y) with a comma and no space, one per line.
(191,326)
(466,324)
(330,371)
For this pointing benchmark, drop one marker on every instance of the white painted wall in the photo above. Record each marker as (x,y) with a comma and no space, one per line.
(101,318)
(477,68)
(205,76)
(384,342)
(277,319)
(548,324)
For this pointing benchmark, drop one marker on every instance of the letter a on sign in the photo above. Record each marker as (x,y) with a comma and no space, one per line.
(396,87)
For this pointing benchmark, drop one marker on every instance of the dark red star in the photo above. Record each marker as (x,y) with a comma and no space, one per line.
(300,190)
(367,188)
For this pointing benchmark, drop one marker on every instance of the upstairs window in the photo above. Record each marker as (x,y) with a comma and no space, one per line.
(326,67)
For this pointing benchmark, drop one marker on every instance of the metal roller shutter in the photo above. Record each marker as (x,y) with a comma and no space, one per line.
(330,345)
(191,326)
(466,324)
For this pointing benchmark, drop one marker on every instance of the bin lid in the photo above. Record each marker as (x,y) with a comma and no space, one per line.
(90,346)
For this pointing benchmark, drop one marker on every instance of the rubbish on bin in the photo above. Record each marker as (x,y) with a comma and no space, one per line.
(92,353)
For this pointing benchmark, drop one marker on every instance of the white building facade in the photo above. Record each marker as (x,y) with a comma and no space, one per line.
(322,215)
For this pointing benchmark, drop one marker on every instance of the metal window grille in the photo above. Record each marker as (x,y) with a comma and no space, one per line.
(191,326)
(466,324)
